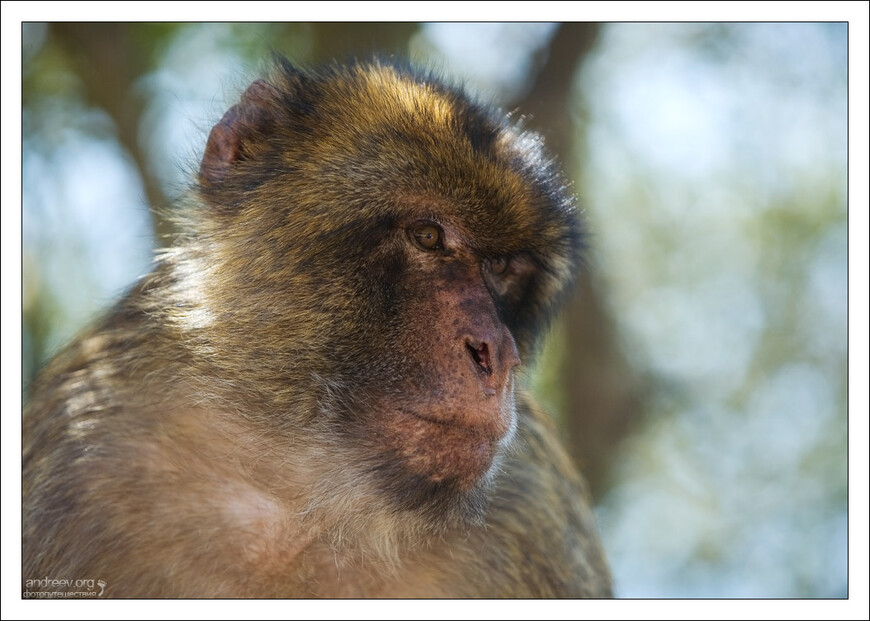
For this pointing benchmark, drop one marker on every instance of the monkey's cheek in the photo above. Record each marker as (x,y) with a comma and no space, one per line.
(442,452)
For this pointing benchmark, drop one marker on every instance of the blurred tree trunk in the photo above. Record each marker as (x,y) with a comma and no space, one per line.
(603,393)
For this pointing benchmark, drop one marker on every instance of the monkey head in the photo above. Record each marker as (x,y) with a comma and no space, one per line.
(382,253)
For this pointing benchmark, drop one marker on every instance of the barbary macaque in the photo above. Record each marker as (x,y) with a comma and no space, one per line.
(314,393)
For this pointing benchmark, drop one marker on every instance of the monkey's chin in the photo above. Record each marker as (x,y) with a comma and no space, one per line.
(439,468)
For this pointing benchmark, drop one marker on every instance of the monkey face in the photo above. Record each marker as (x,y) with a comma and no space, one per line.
(451,406)
(406,247)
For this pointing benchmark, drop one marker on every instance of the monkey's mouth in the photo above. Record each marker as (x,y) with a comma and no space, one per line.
(471,429)
(442,449)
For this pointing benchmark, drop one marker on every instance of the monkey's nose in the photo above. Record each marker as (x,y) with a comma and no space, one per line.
(480,354)
(492,363)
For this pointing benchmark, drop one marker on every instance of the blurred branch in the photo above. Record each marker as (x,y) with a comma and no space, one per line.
(548,100)
(108,60)
(342,41)
(604,394)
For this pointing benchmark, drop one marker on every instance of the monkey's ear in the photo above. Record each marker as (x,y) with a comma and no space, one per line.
(230,140)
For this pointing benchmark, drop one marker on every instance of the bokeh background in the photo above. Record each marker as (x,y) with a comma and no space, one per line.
(700,375)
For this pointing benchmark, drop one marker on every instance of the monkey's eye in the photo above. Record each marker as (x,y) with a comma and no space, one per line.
(427,236)
(498,266)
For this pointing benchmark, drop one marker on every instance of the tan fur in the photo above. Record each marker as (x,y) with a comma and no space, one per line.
(301,400)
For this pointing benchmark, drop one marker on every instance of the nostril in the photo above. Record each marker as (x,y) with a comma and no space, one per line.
(481,356)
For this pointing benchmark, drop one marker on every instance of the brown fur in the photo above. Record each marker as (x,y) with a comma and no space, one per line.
(303,400)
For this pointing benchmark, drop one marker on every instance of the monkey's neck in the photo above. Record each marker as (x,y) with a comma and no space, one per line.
(250,487)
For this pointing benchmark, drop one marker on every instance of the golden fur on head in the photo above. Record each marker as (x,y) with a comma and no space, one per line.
(313,168)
